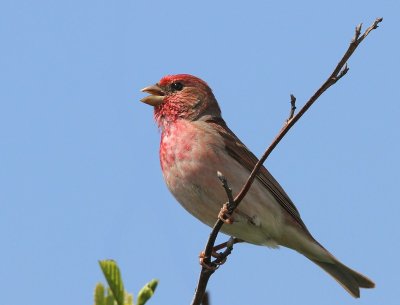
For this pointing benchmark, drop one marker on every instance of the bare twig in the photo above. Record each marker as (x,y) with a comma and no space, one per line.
(206,299)
(340,70)
(225,185)
(209,248)
(213,265)
(292,107)
(206,273)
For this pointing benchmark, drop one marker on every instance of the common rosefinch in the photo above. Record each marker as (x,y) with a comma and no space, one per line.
(196,143)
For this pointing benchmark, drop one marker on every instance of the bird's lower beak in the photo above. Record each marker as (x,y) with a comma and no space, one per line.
(156,97)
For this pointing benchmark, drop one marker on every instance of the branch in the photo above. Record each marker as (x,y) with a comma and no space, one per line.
(208,266)
(340,70)
(206,299)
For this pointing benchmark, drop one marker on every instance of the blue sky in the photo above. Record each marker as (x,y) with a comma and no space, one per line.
(80,178)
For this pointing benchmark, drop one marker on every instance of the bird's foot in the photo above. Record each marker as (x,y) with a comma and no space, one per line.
(225,216)
(210,265)
(220,257)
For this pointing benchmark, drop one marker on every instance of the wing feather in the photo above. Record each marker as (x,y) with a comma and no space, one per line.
(244,156)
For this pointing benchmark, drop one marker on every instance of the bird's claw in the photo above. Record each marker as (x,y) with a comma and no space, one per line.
(224,215)
(210,266)
(221,259)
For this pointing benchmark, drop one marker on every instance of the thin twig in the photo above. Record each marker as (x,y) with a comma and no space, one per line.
(206,273)
(292,107)
(340,70)
(209,248)
(225,185)
(213,265)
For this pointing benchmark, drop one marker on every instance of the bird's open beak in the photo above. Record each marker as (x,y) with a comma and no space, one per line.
(156,97)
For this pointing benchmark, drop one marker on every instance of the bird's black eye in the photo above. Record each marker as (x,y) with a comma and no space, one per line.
(177,86)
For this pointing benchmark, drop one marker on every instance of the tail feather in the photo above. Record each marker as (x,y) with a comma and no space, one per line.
(351,280)
(305,244)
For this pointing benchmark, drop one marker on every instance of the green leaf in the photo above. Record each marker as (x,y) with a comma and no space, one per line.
(128,299)
(113,276)
(109,300)
(146,292)
(99,294)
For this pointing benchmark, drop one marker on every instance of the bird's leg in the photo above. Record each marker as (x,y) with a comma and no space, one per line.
(225,216)
(228,243)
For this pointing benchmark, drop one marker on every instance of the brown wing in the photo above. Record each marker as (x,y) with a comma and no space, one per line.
(244,156)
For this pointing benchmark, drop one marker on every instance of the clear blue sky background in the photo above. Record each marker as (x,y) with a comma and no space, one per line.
(79,172)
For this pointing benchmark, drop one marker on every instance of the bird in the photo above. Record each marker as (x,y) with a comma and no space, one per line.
(196,143)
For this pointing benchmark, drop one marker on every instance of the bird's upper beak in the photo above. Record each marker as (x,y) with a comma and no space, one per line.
(156,97)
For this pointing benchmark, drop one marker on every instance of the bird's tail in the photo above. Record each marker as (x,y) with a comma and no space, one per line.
(351,280)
